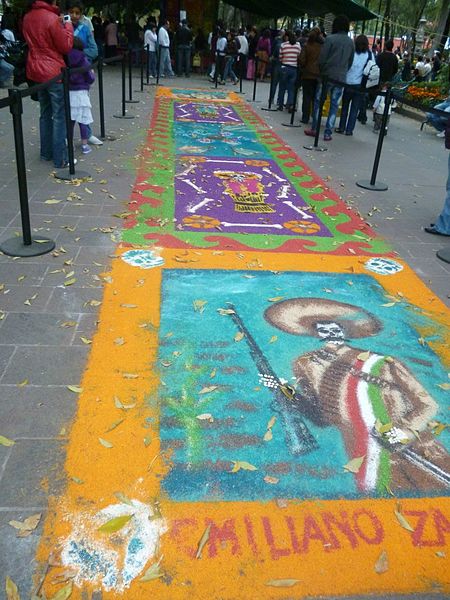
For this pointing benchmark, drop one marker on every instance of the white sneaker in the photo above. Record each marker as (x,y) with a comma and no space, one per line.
(440,134)
(95,141)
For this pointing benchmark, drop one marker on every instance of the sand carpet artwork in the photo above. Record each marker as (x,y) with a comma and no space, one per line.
(266,198)
(252,425)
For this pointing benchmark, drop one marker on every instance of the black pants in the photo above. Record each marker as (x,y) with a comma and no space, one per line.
(309,91)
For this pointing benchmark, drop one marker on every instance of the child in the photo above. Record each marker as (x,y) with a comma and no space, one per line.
(79,84)
(378,110)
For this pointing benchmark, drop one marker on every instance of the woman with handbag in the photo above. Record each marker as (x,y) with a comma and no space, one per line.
(354,92)
(263,50)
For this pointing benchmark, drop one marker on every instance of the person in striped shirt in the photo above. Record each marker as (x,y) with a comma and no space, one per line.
(288,57)
(376,402)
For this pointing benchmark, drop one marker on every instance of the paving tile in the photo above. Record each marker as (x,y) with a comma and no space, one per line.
(86,238)
(6,352)
(74,300)
(18,294)
(86,276)
(46,365)
(74,209)
(10,272)
(35,411)
(16,552)
(36,328)
(88,255)
(32,472)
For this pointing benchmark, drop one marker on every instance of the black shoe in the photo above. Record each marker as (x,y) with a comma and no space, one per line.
(434,231)
(348,133)
(339,130)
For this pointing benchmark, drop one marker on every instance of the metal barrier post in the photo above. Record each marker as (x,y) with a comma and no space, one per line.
(69,174)
(158,63)
(323,95)
(124,114)
(271,90)
(101,99)
(130,79)
(27,246)
(372,185)
(255,77)
(141,71)
(147,54)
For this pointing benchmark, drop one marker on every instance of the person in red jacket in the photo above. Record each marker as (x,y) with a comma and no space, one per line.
(49,38)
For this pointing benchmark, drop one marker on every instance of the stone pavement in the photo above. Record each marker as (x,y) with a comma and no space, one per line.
(45,342)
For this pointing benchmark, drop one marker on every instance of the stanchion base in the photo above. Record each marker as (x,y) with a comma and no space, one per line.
(270,109)
(132,101)
(316,148)
(150,84)
(255,101)
(444,254)
(289,125)
(16,247)
(376,187)
(124,116)
(64,175)
(138,92)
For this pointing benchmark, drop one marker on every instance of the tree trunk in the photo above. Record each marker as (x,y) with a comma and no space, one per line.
(387,19)
(442,26)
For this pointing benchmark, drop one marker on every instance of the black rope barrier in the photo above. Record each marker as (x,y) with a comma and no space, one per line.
(123,114)
(323,96)
(27,246)
(130,80)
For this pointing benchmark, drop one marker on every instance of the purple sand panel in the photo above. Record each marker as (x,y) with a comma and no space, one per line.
(240,196)
(206,113)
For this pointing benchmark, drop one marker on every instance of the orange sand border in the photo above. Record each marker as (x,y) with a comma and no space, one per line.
(241,556)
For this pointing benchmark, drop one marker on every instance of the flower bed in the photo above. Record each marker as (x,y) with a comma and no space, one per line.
(426,93)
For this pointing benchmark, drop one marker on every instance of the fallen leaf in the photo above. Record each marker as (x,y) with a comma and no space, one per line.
(152,572)
(27,526)
(226,311)
(363,356)
(272,480)
(275,299)
(242,464)
(12,592)
(128,305)
(114,425)
(283,582)
(239,336)
(77,480)
(130,375)
(199,305)
(119,341)
(69,324)
(385,428)
(354,465)
(75,389)
(444,386)
(63,593)
(440,554)
(105,443)
(114,524)
(271,422)
(382,565)
(85,341)
(268,435)
(123,498)
(213,373)
(147,441)
(203,541)
(401,519)
(52,201)
(121,405)
(273,339)
(4,441)
(208,389)
(23,383)
(205,417)
(70,281)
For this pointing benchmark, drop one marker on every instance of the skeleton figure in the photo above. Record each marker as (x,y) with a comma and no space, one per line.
(360,393)
(246,191)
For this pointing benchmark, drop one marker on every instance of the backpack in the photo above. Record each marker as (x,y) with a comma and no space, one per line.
(16,54)
(371,73)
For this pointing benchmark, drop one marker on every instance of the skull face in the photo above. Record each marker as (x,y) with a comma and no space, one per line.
(331,332)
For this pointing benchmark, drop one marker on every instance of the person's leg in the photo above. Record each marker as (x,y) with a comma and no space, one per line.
(233,75)
(291,81)
(356,99)
(45,125)
(59,133)
(274,81)
(307,98)
(317,97)
(346,99)
(187,61)
(179,65)
(282,87)
(6,71)
(84,133)
(336,93)
(443,221)
(362,116)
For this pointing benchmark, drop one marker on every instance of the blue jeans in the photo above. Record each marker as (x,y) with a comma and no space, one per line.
(228,70)
(52,125)
(184,60)
(165,66)
(6,70)
(352,99)
(335,92)
(288,77)
(443,221)
(274,79)
(437,121)
(151,66)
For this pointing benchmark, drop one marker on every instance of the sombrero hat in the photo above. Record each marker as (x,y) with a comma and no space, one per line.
(299,316)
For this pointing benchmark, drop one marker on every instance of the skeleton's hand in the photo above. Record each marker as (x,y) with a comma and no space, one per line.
(396,436)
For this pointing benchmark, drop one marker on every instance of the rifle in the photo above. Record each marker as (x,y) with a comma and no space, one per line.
(298,437)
